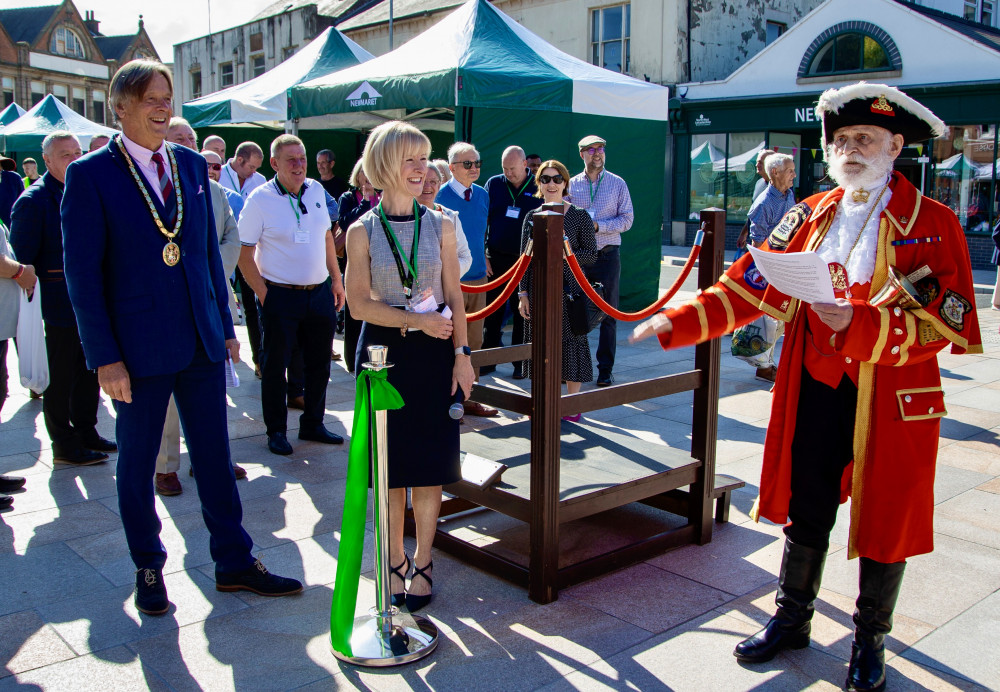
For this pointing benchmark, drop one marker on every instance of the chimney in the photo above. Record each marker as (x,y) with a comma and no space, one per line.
(93,26)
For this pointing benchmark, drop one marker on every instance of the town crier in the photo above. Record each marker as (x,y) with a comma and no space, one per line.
(857,401)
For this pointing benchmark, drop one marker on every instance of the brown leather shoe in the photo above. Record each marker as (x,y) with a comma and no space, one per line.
(298,402)
(474,408)
(334,355)
(767,374)
(239,471)
(167,484)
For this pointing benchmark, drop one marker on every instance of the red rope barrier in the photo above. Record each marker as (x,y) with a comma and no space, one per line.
(497,282)
(578,274)
(522,266)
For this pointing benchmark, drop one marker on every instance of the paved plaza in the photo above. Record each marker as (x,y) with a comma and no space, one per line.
(67,621)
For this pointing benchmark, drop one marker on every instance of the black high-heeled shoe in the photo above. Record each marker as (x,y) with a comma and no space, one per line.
(398,599)
(415,603)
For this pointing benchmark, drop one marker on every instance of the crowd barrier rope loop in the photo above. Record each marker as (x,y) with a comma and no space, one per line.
(581,279)
(502,279)
(517,272)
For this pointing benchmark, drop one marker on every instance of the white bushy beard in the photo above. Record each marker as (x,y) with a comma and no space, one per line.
(876,171)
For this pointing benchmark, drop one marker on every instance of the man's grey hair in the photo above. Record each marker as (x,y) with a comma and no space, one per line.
(178,120)
(327,153)
(764,153)
(57,136)
(776,162)
(131,81)
(284,141)
(459,148)
(513,150)
(247,150)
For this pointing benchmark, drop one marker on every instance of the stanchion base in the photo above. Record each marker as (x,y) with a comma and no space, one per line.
(412,637)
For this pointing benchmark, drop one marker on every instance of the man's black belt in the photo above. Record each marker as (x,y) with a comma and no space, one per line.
(294,287)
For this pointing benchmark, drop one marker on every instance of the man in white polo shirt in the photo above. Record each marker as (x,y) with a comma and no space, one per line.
(288,258)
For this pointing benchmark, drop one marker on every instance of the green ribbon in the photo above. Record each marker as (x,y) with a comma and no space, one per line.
(373,393)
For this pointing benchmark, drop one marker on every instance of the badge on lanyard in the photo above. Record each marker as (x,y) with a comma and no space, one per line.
(513,212)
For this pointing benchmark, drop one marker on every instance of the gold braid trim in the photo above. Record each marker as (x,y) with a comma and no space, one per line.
(726,305)
(911,337)
(862,430)
(946,332)
(740,291)
(702,321)
(883,335)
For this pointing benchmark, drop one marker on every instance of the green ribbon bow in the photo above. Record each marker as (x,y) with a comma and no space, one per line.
(373,393)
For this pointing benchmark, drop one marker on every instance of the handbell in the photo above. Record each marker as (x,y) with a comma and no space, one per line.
(898,291)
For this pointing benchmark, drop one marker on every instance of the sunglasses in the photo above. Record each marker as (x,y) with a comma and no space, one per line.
(594,150)
(468,165)
(215,166)
(546,179)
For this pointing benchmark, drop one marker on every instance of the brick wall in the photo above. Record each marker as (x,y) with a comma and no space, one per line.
(980,245)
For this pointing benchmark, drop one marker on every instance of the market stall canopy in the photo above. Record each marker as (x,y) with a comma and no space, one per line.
(479,57)
(47,116)
(263,99)
(706,152)
(741,162)
(9,114)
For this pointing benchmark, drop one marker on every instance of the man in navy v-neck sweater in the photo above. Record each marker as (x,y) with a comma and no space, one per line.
(472,203)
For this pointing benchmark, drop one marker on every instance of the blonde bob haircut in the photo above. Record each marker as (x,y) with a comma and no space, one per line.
(387,146)
(354,180)
(552,163)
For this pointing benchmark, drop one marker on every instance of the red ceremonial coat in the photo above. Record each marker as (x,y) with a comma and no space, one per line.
(889,351)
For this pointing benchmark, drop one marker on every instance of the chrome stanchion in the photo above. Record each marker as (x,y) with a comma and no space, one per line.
(386,636)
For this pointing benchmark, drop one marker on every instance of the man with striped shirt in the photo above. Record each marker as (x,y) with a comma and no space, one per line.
(605,197)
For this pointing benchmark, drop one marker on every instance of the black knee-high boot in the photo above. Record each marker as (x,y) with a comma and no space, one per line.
(879,588)
(798,586)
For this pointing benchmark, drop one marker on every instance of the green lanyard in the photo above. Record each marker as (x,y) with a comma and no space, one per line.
(236,188)
(513,197)
(397,248)
(283,191)
(593,192)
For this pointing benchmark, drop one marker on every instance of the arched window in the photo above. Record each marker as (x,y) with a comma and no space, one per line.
(66,42)
(850,48)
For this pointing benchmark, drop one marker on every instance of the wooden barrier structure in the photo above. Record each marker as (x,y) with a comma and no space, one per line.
(535,495)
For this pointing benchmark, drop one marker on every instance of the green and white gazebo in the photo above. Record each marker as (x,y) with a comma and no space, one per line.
(47,116)
(503,85)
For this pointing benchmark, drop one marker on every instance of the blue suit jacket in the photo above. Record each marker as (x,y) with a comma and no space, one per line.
(36,237)
(11,187)
(130,306)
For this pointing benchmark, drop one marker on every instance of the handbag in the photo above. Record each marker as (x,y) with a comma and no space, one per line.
(583,315)
(33,361)
(753,340)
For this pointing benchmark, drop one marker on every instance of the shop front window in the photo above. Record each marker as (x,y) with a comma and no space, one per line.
(964,169)
(741,173)
(707,179)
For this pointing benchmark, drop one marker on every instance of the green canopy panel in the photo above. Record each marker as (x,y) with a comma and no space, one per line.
(10,114)
(263,99)
(47,116)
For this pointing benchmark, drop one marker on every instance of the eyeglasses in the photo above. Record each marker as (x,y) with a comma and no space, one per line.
(546,179)
(594,150)
(468,165)
(215,166)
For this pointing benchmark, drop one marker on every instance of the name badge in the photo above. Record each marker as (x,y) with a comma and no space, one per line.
(428,304)
(593,214)
(301,236)
(513,212)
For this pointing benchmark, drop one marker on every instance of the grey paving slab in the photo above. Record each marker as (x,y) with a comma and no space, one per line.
(63,486)
(28,642)
(100,621)
(950,482)
(973,515)
(46,574)
(116,668)
(22,464)
(648,597)
(55,525)
(966,645)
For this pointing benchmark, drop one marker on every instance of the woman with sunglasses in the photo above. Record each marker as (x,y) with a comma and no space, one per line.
(356,201)
(402,275)
(553,185)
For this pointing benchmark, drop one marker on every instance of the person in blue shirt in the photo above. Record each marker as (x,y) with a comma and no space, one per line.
(472,204)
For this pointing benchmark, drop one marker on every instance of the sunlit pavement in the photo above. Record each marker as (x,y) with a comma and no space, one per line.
(67,621)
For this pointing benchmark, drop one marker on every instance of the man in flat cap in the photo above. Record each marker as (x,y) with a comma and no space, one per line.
(605,197)
(857,402)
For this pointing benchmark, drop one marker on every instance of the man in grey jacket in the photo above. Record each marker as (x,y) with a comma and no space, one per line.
(169,458)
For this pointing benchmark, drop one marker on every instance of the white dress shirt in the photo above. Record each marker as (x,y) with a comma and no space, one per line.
(143,160)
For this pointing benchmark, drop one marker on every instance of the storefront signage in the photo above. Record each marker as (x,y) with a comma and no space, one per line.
(702,121)
(805,115)
(364,95)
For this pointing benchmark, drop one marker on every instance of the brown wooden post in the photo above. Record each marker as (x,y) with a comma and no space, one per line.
(546,389)
(705,420)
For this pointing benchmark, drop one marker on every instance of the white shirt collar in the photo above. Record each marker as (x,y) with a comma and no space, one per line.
(141,154)
(458,187)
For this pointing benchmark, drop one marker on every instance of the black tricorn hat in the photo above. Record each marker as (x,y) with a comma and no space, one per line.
(880,105)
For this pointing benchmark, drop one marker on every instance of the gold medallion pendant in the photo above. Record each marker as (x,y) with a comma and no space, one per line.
(860,196)
(838,276)
(171,254)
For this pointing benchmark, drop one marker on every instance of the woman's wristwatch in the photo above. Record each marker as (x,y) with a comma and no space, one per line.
(463,351)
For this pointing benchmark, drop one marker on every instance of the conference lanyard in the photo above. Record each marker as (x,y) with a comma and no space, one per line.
(397,248)
(513,197)
(302,191)
(593,191)
(236,187)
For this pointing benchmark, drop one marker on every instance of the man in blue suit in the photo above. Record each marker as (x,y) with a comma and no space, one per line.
(146,281)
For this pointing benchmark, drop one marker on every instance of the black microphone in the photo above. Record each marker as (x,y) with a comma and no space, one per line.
(457,410)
